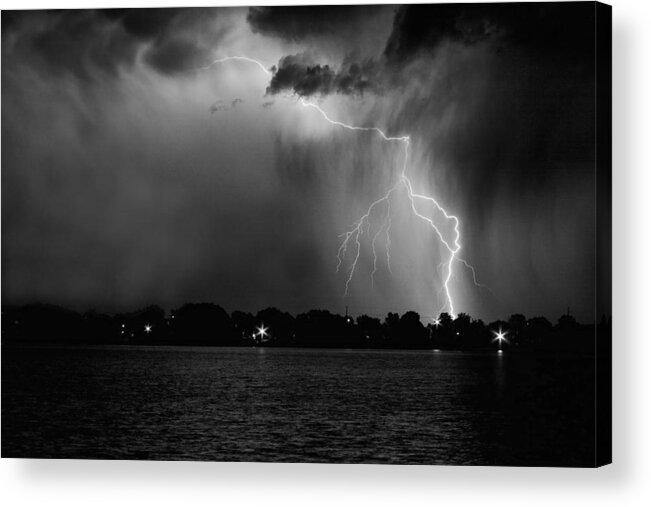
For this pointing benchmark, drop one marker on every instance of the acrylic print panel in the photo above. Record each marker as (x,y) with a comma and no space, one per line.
(350,234)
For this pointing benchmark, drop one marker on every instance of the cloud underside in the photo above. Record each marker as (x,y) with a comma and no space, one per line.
(175,40)
(296,73)
(95,44)
(539,31)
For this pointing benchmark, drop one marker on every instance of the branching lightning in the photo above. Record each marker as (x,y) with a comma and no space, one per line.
(356,231)
(352,238)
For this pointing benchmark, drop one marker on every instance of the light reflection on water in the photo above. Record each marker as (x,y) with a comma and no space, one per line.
(297,405)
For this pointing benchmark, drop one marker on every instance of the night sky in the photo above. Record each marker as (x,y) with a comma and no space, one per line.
(131,175)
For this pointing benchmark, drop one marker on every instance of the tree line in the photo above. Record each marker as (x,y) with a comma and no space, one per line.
(211,325)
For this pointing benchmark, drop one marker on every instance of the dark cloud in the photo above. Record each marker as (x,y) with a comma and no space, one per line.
(297,74)
(175,55)
(147,24)
(543,31)
(546,27)
(178,40)
(89,43)
(65,42)
(299,22)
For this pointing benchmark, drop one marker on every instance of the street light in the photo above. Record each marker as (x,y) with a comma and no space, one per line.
(262,331)
(500,336)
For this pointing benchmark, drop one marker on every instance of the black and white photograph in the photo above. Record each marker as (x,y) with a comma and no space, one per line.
(343,234)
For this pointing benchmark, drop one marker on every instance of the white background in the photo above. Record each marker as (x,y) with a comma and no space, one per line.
(626,482)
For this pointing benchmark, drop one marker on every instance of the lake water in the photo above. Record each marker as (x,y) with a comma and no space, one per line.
(297,405)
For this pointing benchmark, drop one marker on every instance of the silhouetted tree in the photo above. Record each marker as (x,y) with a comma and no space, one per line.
(571,336)
(370,330)
(479,336)
(42,323)
(99,328)
(281,326)
(410,332)
(146,325)
(539,332)
(203,324)
(320,328)
(443,334)
(517,327)
(461,328)
(244,325)
(209,324)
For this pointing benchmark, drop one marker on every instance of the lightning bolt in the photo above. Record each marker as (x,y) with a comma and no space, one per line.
(238,58)
(351,238)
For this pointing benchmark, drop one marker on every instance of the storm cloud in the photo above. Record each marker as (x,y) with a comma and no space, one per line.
(296,23)
(296,74)
(120,189)
(546,28)
(90,44)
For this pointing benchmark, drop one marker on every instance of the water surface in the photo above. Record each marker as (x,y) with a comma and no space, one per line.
(297,405)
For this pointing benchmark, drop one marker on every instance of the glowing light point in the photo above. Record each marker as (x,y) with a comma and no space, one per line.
(262,331)
(148,328)
(500,336)
(437,322)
